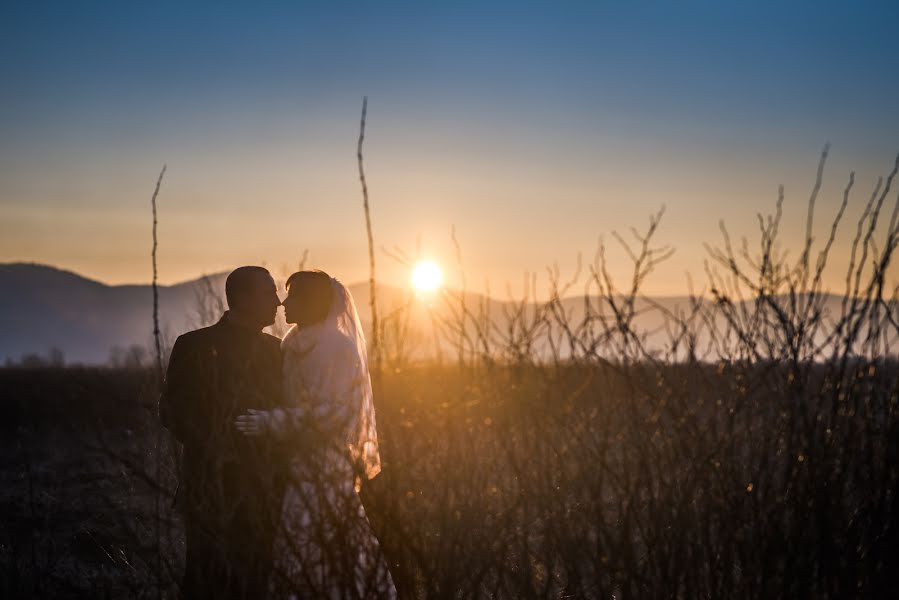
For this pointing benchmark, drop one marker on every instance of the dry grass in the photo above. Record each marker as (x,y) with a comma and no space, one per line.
(753,453)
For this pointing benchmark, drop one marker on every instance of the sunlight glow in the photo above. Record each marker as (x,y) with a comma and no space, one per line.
(426,276)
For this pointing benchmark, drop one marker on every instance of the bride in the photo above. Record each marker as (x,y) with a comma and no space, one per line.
(324,547)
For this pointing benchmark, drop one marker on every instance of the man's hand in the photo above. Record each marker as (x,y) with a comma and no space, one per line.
(254,423)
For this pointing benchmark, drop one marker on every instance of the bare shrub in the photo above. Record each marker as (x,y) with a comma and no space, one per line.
(599,443)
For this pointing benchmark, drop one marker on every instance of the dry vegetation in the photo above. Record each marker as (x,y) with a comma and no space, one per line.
(754,455)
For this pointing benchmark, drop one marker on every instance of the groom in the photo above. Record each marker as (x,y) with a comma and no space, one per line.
(230,486)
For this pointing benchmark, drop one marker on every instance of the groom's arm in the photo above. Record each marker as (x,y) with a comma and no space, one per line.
(180,391)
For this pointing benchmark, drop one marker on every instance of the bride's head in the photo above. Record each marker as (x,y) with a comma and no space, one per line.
(309,298)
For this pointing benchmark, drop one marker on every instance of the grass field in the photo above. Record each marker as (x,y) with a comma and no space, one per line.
(755,454)
(687,481)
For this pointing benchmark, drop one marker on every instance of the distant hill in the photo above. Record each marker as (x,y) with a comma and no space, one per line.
(42,308)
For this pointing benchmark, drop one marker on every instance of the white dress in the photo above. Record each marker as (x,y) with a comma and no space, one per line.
(325,547)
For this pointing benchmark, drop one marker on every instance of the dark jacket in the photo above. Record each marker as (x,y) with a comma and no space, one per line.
(214,375)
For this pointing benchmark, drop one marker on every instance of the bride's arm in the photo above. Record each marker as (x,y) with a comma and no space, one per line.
(330,403)
(330,419)
(276,423)
(283,423)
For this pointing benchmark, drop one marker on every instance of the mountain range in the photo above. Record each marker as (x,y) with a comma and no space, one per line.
(45,310)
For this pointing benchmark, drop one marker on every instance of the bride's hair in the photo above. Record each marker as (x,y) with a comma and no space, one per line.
(315,289)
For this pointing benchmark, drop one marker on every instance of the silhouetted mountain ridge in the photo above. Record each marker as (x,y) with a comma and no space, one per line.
(43,307)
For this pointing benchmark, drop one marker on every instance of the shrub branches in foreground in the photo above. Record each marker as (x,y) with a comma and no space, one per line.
(745,445)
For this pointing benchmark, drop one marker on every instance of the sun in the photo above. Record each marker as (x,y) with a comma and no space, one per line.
(426,276)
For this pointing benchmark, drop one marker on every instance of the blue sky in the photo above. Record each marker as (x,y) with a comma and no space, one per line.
(533,127)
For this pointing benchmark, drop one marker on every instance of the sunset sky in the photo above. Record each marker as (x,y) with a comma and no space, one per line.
(533,128)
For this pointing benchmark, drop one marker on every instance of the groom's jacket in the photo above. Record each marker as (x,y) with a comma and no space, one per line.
(214,375)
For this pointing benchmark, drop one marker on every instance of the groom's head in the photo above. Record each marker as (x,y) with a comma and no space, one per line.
(252,296)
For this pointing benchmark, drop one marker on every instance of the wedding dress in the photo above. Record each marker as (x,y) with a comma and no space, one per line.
(325,547)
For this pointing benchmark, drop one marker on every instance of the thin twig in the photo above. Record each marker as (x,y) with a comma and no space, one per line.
(156,334)
(159,374)
(375,337)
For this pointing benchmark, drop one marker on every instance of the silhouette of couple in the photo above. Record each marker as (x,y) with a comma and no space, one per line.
(276,435)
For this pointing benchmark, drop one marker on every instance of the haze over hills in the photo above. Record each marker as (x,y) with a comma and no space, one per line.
(42,307)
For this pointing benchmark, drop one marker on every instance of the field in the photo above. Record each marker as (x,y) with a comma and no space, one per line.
(753,453)
(530,482)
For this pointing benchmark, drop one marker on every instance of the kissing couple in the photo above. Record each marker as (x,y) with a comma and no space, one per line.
(277,436)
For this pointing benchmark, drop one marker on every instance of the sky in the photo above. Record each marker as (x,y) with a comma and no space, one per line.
(532,129)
